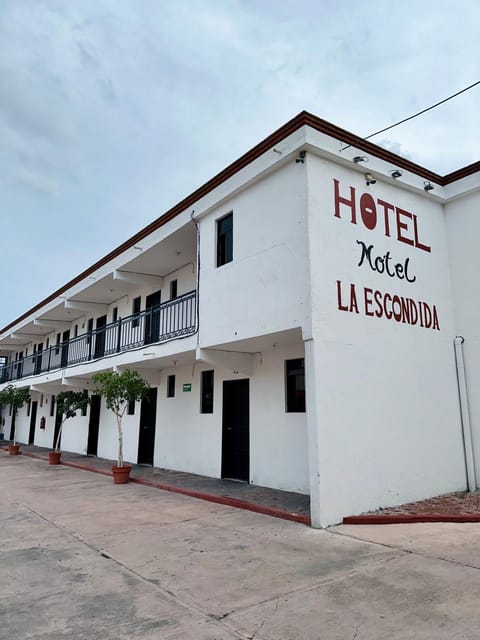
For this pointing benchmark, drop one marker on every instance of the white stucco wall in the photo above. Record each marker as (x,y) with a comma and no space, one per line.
(387,404)
(279,454)
(44,437)
(463,227)
(264,289)
(187,440)
(108,434)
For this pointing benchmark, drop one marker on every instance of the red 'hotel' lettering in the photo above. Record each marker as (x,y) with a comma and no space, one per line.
(404,222)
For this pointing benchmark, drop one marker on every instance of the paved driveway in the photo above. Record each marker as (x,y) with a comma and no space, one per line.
(83,559)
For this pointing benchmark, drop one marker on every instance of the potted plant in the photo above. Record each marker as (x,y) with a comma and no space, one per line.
(68,403)
(119,389)
(16,397)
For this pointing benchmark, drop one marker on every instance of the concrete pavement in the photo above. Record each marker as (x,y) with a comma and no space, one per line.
(83,558)
(282,504)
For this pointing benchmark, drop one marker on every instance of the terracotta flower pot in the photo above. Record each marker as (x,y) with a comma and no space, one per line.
(121,475)
(14,449)
(54,457)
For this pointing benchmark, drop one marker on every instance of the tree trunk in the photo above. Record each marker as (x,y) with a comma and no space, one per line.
(120,441)
(57,443)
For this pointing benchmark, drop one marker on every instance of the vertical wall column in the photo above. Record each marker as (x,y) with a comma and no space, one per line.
(312,432)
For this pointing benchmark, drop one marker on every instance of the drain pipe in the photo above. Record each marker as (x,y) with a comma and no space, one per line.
(465,414)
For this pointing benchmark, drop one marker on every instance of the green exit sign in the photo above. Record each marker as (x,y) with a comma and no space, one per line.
(187,387)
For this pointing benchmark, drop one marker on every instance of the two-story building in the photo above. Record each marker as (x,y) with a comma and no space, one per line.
(296,317)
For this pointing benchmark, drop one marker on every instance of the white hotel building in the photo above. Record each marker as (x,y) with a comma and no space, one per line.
(297,325)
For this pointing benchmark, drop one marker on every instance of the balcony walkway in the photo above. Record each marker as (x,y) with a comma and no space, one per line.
(280,504)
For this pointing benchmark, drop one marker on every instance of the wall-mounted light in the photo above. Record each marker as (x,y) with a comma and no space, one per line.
(369,179)
(358,159)
(396,173)
(301,157)
(428,186)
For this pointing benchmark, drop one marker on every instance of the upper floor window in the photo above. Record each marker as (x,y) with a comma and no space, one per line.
(225,240)
(115,314)
(136,306)
(295,385)
(89,331)
(173,289)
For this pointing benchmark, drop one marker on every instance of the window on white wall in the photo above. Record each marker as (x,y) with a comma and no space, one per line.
(136,306)
(225,240)
(206,404)
(171,387)
(295,385)
(173,289)
(84,409)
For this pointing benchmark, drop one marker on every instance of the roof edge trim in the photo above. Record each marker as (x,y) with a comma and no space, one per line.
(300,120)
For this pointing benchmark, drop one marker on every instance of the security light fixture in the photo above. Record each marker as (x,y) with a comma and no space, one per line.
(428,186)
(358,159)
(301,157)
(396,173)
(369,179)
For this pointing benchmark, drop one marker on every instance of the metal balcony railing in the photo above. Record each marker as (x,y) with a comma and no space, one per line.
(166,321)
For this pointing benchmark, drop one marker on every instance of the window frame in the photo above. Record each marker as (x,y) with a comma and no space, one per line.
(294,381)
(171,386)
(207,387)
(136,302)
(224,240)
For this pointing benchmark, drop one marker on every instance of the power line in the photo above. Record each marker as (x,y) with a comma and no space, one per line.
(419,113)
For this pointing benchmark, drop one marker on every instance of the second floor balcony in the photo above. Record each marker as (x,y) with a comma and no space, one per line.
(167,321)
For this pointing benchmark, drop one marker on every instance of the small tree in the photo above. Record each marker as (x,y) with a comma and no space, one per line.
(15,397)
(119,389)
(68,403)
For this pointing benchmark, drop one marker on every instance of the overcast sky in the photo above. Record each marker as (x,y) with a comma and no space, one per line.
(111,111)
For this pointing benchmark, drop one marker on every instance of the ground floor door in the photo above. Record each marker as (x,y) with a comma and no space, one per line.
(58,423)
(146,436)
(33,418)
(93,425)
(236,430)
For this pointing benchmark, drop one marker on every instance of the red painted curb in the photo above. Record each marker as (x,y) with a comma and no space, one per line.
(229,502)
(199,495)
(410,518)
